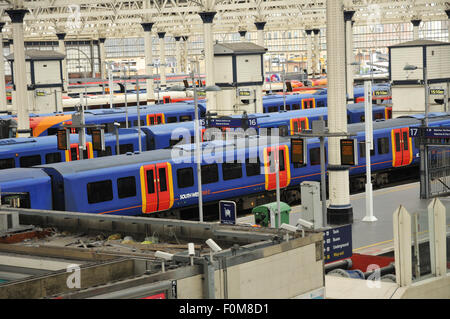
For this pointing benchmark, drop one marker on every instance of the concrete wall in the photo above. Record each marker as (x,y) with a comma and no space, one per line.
(432,288)
(284,271)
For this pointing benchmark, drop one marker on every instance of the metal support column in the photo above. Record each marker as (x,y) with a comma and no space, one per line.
(416,24)
(316,63)
(162,61)
(3,103)
(147,26)
(177,55)
(242,33)
(348,16)
(62,49)
(19,69)
(101,43)
(340,210)
(207,18)
(309,52)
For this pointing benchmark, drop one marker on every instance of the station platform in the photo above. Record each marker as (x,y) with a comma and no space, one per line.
(376,238)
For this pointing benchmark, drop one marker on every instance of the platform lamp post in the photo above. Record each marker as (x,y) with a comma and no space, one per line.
(157,65)
(197,130)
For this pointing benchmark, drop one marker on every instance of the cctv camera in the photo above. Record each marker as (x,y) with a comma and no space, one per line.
(191,249)
(212,244)
(289,227)
(305,223)
(163,255)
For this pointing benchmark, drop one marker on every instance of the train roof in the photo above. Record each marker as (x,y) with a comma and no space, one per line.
(400,121)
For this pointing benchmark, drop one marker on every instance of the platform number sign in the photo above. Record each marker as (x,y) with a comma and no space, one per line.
(63,139)
(413,131)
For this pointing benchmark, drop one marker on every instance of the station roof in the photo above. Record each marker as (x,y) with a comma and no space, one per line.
(35,55)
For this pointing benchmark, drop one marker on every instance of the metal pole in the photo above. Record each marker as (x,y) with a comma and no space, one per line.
(126,98)
(369,146)
(277,170)
(116,130)
(323,182)
(110,85)
(284,88)
(427,178)
(197,151)
(139,115)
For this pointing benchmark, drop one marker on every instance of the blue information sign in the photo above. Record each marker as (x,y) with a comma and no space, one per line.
(430,132)
(233,122)
(337,243)
(437,132)
(227,212)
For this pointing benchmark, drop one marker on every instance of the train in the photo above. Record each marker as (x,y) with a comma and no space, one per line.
(48,124)
(26,152)
(164,183)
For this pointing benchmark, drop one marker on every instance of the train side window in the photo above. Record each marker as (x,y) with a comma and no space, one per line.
(378,116)
(288,107)
(126,187)
(135,123)
(362,118)
(123,124)
(320,104)
(295,106)
(283,130)
(7,163)
(99,191)
(124,148)
(172,119)
(27,161)
(273,109)
(362,150)
(210,174)
(314,156)
(185,177)
(383,145)
(52,158)
(162,179)
(150,182)
(106,152)
(405,141)
(185,118)
(52,130)
(252,166)
(231,170)
(282,161)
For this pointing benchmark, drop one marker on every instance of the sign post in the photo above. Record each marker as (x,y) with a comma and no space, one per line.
(228,212)
(337,243)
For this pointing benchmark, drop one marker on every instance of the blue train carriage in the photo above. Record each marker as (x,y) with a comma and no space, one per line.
(31,186)
(153,181)
(27,152)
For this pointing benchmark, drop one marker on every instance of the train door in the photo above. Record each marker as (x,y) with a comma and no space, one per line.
(309,103)
(299,124)
(271,154)
(156,187)
(74,153)
(401,147)
(153,119)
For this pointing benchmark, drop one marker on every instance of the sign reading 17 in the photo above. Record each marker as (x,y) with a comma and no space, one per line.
(413,131)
